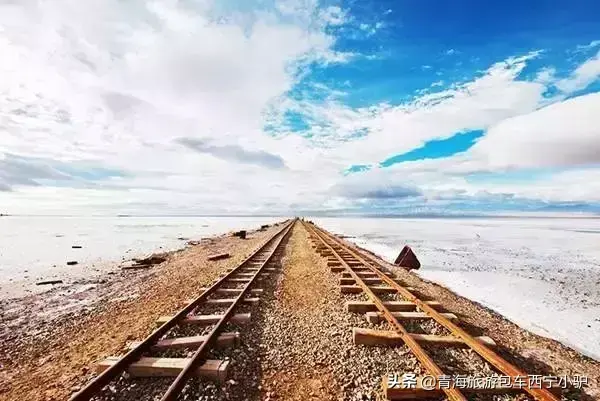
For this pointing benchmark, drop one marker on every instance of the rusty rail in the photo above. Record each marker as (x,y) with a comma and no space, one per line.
(329,241)
(93,387)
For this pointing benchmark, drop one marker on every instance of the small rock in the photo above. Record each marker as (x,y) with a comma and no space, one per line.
(152,260)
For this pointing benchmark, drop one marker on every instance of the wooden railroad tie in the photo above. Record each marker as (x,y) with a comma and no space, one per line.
(360,274)
(223,340)
(238,280)
(392,306)
(265,270)
(360,271)
(377,317)
(392,338)
(224,301)
(248,275)
(368,281)
(229,301)
(357,289)
(212,369)
(234,291)
(218,256)
(360,268)
(206,319)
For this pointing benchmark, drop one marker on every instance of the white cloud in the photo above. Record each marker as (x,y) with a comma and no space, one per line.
(584,75)
(562,134)
(333,15)
(591,45)
(439,181)
(116,84)
(546,75)
(375,185)
(577,185)
(371,29)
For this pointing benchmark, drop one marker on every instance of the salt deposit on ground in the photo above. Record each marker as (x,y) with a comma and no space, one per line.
(34,248)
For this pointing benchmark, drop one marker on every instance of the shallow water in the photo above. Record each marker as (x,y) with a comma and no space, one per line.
(541,273)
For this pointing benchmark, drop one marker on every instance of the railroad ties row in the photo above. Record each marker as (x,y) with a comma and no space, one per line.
(191,355)
(395,316)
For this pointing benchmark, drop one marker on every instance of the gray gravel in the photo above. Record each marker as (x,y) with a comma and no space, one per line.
(285,346)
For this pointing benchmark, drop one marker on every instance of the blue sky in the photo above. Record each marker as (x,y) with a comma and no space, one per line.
(299,105)
(421,43)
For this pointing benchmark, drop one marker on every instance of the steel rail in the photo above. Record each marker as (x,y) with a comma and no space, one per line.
(94,386)
(418,351)
(177,386)
(490,356)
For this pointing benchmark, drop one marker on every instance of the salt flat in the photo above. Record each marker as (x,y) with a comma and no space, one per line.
(541,273)
(34,248)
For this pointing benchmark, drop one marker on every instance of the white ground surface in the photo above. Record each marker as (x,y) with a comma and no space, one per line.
(38,248)
(542,274)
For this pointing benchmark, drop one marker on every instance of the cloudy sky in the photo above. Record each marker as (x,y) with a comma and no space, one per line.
(249,106)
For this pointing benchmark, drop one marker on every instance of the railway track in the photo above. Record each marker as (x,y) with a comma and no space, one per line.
(389,300)
(227,295)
